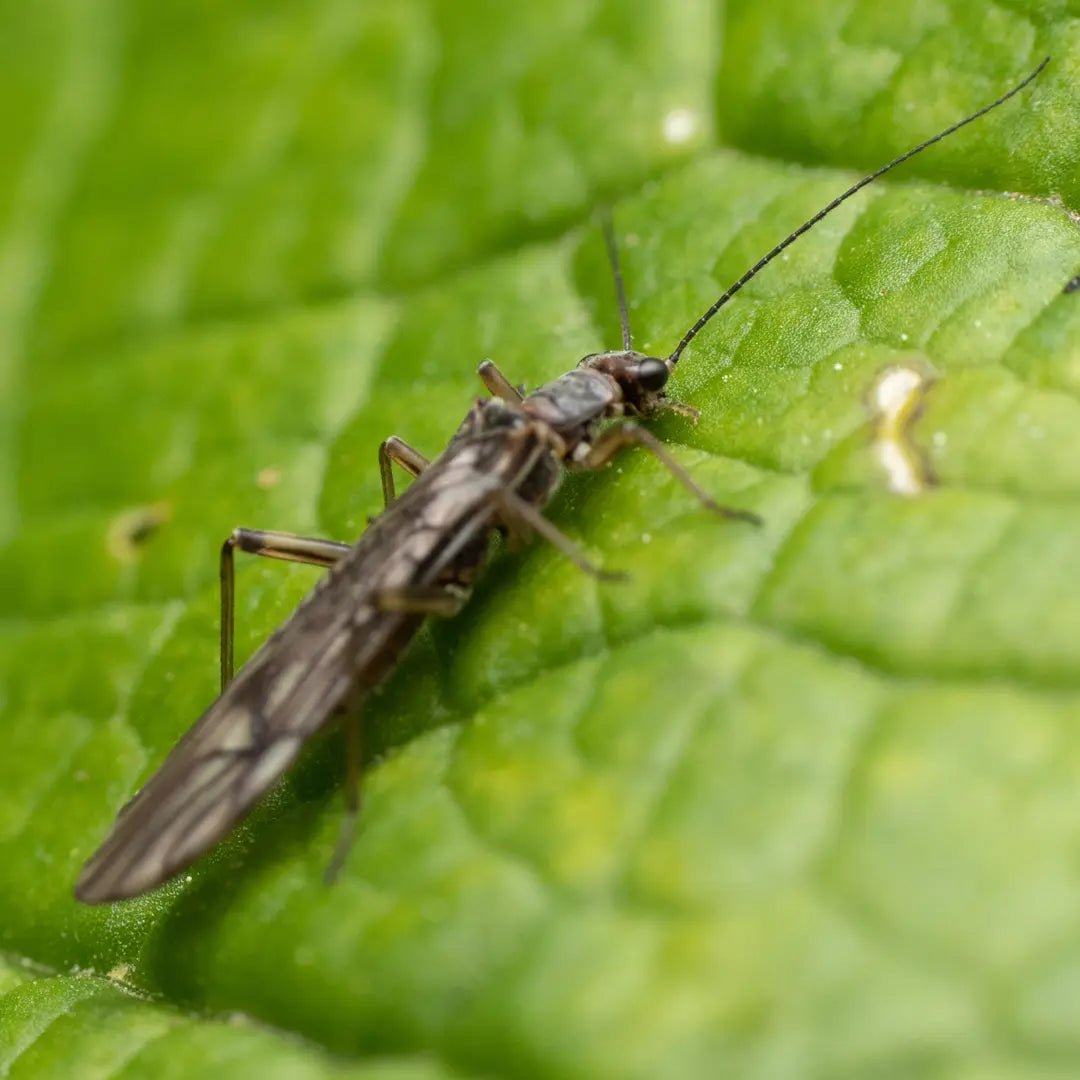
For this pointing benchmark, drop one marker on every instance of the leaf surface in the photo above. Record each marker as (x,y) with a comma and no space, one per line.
(796,801)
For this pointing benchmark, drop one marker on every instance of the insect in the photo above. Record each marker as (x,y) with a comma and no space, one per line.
(418,558)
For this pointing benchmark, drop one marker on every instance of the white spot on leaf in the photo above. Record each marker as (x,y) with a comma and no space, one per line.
(679,125)
(895,402)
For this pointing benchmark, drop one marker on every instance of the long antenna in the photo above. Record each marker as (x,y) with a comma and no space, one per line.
(694,330)
(616,270)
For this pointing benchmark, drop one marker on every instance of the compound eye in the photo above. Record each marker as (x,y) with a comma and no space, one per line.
(652,373)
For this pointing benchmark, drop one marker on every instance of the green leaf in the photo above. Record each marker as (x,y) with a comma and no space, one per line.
(87,1026)
(794,801)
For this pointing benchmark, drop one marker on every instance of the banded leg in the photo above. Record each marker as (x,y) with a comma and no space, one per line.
(271,545)
(397,451)
(630,434)
(497,384)
(520,516)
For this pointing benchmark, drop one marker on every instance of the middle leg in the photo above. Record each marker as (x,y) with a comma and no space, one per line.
(397,451)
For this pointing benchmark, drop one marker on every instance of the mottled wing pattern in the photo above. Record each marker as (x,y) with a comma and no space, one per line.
(336,645)
(240,746)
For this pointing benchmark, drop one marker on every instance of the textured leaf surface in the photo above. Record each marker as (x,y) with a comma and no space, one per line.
(90,1027)
(797,801)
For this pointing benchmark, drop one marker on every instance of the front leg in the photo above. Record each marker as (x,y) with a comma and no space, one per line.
(631,434)
(497,384)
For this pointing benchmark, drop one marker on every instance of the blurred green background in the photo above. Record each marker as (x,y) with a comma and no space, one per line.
(796,802)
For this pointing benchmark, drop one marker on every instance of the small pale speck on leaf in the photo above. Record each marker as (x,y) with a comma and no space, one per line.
(268,478)
(131,529)
(679,125)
